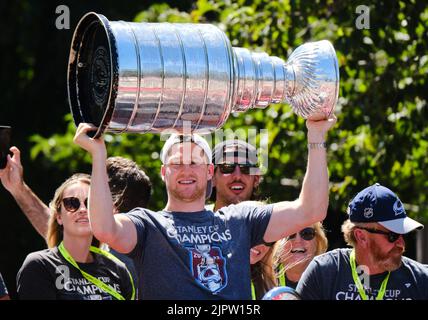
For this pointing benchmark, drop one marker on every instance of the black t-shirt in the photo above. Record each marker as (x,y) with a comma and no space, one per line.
(47,275)
(133,269)
(329,277)
(3,290)
(290,283)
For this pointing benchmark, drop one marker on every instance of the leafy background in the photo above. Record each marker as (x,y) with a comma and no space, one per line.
(381,135)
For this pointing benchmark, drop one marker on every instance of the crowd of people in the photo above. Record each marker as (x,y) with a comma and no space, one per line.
(103,242)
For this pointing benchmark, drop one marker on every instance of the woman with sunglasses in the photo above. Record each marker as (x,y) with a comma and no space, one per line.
(73,268)
(293,254)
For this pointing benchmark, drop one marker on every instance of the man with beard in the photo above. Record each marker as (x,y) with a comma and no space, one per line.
(374,269)
(236,179)
(186,251)
(236,173)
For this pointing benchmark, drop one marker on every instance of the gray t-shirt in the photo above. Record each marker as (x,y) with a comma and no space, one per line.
(329,277)
(197,255)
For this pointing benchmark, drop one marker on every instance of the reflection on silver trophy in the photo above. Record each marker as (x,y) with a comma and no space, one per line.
(150,77)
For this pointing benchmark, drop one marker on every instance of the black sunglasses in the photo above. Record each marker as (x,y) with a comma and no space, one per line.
(391,236)
(306,234)
(72,204)
(227,168)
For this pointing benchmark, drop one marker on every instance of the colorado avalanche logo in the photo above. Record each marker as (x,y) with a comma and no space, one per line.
(208,267)
(398,208)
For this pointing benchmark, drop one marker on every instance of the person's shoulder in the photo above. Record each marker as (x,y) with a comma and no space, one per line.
(416,266)
(141,213)
(40,259)
(41,255)
(333,257)
(246,211)
(245,206)
(233,211)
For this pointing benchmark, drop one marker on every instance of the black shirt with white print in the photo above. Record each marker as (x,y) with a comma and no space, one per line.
(329,277)
(47,275)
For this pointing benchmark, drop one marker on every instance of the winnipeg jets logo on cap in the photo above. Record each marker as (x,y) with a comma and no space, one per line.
(398,207)
(368,213)
(407,285)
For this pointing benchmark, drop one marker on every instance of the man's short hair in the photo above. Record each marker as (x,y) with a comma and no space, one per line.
(129,185)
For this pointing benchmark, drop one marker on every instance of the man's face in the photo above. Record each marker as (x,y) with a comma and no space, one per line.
(232,188)
(186,172)
(386,255)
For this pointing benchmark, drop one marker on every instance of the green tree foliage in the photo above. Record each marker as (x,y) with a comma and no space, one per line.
(381,135)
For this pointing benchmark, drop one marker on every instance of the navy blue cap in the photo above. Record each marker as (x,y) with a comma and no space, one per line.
(379,204)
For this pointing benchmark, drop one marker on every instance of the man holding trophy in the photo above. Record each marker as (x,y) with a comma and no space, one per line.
(184,250)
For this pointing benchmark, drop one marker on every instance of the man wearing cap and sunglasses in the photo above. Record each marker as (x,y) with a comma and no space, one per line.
(236,173)
(186,251)
(236,179)
(374,269)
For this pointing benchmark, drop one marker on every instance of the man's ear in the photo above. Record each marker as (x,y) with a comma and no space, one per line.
(211,172)
(361,237)
(213,180)
(163,168)
(256,181)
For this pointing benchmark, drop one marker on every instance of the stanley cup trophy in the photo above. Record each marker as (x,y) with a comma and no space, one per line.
(151,77)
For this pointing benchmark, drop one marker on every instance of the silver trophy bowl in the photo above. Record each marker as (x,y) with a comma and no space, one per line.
(152,77)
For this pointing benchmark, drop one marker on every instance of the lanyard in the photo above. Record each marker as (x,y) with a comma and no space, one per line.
(281,278)
(359,285)
(103,286)
(281,283)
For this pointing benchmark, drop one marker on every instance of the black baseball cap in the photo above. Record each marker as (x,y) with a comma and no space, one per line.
(227,151)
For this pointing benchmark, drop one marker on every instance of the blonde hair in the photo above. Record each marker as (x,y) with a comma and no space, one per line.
(263,274)
(320,238)
(348,228)
(55,231)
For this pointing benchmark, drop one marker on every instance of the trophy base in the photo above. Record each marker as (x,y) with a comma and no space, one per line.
(90,66)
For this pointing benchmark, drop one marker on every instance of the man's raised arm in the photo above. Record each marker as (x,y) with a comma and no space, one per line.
(311,206)
(12,178)
(117,231)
